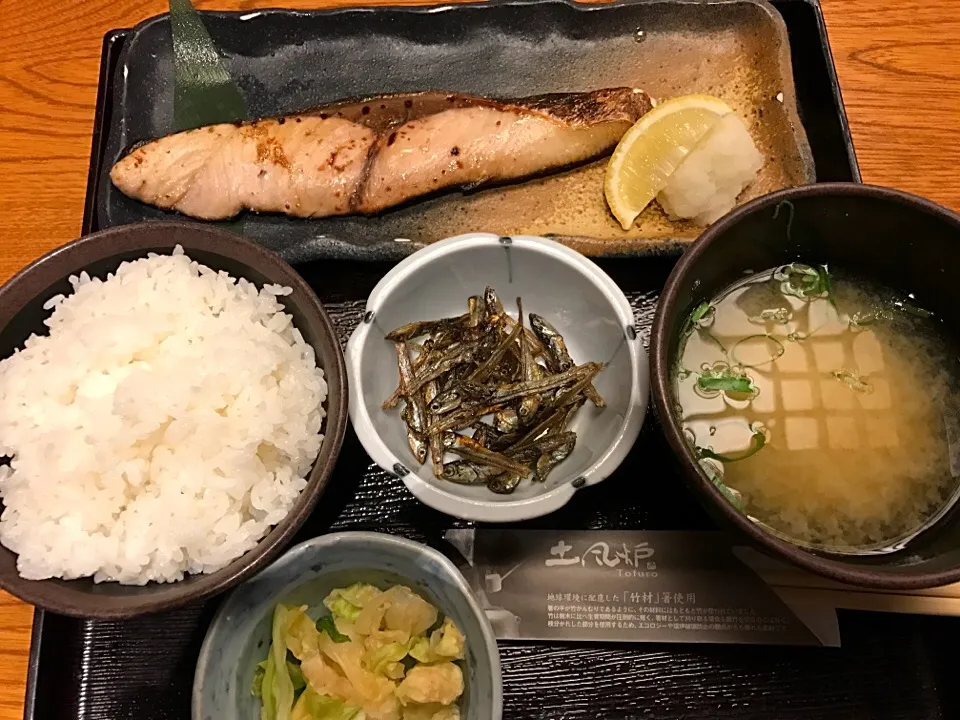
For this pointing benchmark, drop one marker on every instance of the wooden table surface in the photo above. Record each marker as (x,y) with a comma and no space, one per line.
(896,60)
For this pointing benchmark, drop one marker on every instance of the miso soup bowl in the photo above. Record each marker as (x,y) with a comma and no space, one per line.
(572,293)
(904,242)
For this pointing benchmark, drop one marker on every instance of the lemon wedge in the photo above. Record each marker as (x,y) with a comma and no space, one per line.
(653,148)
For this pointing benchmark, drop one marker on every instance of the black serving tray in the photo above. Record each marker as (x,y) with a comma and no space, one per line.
(890,667)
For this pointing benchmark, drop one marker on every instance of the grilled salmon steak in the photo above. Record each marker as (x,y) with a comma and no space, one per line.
(361,157)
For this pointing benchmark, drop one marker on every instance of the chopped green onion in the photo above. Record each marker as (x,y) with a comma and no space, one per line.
(737,384)
(698,313)
(757,441)
(732,496)
(780,351)
(805,282)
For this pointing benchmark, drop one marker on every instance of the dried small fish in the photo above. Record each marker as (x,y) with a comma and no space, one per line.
(446,401)
(500,443)
(475,308)
(417,446)
(435,441)
(456,372)
(442,364)
(430,391)
(514,391)
(504,484)
(464,417)
(464,472)
(414,397)
(483,372)
(421,327)
(556,353)
(546,444)
(555,418)
(536,347)
(558,357)
(480,434)
(506,420)
(530,371)
(492,301)
(581,387)
(550,459)
(470,449)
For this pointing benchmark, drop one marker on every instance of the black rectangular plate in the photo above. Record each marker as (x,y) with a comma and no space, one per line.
(285,60)
(890,668)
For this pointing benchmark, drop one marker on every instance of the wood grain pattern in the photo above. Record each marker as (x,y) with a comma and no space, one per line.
(896,60)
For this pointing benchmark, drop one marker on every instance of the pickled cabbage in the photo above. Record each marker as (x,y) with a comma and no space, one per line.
(347,602)
(441,683)
(373,657)
(447,643)
(312,706)
(277,690)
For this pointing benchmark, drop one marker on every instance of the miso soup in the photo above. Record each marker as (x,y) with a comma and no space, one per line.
(823,407)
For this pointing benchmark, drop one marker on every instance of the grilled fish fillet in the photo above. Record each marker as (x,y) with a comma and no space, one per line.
(365,156)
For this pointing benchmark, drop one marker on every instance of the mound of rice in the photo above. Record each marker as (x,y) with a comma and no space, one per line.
(163,426)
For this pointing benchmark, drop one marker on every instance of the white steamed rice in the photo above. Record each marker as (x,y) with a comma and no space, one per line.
(163,426)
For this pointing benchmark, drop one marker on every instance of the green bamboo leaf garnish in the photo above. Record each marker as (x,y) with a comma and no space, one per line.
(204,93)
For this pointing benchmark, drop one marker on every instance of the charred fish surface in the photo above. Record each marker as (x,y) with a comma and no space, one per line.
(362,157)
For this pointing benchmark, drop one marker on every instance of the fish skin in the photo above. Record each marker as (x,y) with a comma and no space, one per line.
(341,160)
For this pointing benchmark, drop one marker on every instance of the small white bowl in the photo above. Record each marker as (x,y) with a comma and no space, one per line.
(572,293)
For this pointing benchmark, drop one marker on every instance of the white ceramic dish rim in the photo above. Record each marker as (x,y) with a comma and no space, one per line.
(328,543)
(427,490)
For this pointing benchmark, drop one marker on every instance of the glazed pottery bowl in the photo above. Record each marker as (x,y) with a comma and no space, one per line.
(239,636)
(22,314)
(898,240)
(569,291)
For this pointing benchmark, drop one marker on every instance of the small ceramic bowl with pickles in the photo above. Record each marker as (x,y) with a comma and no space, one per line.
(240,636)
